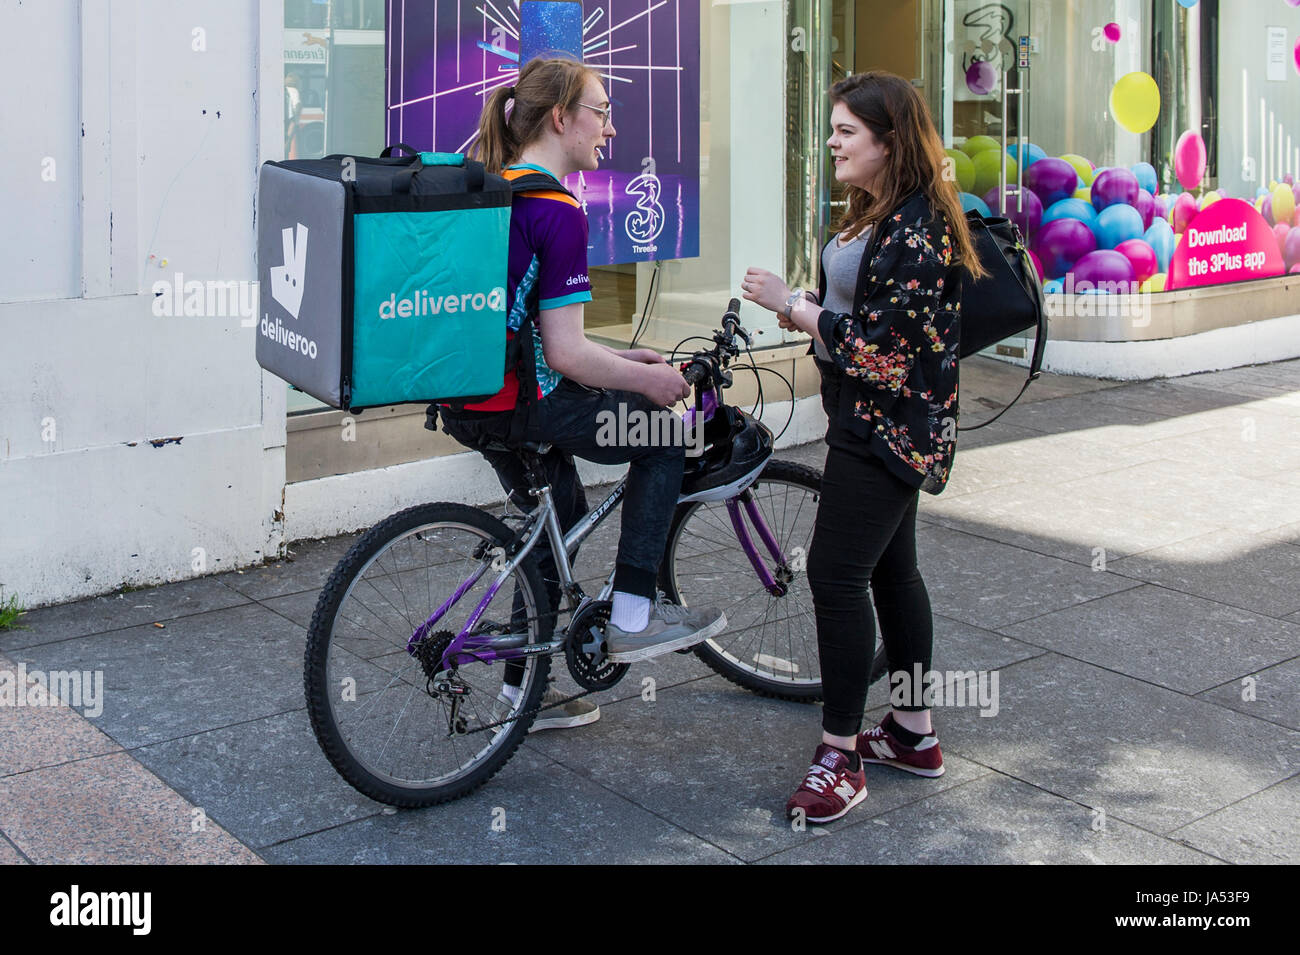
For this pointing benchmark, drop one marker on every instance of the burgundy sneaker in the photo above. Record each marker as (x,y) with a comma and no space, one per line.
(830,789)
(879,745)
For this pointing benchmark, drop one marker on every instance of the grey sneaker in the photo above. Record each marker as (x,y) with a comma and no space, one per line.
(571,714)
(670,628)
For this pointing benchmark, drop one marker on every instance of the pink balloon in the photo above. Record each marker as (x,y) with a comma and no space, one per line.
(1038,265)
(1141,256)
(1183,212)
(1190,159)
(1266,210)
(1112,31)
(1280,232)
(1297,56)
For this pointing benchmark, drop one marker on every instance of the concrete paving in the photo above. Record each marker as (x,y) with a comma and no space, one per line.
(1125,557)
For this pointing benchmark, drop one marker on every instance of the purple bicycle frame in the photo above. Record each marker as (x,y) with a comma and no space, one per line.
(486,652)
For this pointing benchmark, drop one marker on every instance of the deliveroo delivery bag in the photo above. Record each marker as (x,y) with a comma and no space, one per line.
(383,281)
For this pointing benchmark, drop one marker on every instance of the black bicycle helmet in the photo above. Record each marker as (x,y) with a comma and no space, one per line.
(736,448)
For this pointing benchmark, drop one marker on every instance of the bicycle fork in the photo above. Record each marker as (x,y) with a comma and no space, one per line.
(777,586)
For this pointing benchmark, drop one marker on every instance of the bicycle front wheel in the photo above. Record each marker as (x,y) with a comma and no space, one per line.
(397,725)
(770,644)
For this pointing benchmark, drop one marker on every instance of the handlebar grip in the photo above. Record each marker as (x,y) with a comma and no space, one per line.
(733,311)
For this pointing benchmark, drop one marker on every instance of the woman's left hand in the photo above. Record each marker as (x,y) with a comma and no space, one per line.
(646,356)
(763,288)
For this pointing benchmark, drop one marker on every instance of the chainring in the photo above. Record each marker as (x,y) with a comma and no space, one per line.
(584,650)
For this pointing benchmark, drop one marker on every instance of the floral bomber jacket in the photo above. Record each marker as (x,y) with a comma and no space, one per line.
(895,355)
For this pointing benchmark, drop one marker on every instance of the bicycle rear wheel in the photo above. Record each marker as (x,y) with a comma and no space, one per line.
(396,726)
(770,644)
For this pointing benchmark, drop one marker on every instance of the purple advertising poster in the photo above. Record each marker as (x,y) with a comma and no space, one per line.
(444,56)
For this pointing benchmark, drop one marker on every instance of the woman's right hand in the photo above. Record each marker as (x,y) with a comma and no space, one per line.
(664,384)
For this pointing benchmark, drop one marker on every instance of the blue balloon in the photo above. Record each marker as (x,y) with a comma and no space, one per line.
(970,201)
(1261,192)
(1116,224)
(1146,174)
(1034,153)
(1188,3)
(1053,287)
(1070,209)
(1161,238)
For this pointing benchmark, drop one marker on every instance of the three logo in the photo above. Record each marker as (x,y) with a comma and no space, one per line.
(287,280)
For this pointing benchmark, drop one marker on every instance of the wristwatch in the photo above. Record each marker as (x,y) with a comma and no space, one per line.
(791,302)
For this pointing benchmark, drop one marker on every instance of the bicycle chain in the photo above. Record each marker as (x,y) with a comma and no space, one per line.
(533,712)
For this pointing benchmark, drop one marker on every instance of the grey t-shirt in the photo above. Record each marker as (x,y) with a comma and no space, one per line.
(840,266)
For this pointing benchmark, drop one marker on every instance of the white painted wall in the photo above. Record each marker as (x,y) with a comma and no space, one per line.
(166,167)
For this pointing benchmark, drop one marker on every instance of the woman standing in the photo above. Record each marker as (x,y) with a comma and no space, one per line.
(885,325)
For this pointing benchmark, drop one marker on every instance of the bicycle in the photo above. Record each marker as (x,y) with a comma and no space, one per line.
(415,715)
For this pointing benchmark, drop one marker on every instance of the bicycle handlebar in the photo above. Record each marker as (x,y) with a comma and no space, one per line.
(701,364)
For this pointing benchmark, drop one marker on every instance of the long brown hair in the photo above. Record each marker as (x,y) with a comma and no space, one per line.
(541,86)
(895,113)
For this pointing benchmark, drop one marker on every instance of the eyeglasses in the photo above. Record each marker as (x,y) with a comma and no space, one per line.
(605,113)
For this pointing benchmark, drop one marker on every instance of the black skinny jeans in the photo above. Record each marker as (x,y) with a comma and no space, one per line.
(865,533)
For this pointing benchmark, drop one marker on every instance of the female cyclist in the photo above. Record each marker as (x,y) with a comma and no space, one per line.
(554,121)
(885,329)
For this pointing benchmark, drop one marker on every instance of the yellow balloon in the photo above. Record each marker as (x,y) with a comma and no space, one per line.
(1154,284)
(1082,167)
(1085,194)
(1209,199)
(1135,101)
(1283,203)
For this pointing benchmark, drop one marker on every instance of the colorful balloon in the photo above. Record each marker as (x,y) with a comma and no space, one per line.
(1032,153)
(1141,256)
(1070,209)
(1103,266)
(988,170)
(1297,55)
(1135,101)
(1291,249)
(1187,3)
(1266,210)
(1112,32)
(1146,207)
(981,78)
(1190,159)
(961,167)
(1052,180)
(1084,194)
(1280,232)
(1183,212)
(1154,284)
(1038,264)
(1209,199)
(978,144)
(969,202)
(1284,204)
(1161,239)
(1117,224)
(1082,167)
(1053,287)
(1061,243)
(1114,187)
(1026,214)
(1146,174)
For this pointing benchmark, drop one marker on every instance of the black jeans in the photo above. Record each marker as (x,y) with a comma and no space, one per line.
(865,533)
(576,420)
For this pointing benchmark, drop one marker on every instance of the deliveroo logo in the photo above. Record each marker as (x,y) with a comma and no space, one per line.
(287,279)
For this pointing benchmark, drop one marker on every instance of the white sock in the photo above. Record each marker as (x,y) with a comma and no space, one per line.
(513,693)
(630,613)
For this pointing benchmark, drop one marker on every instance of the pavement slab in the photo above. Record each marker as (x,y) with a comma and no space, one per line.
(1163,637)
(1144,754)
(992,820)
(1272,693)
(1258,830)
